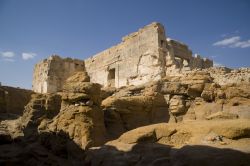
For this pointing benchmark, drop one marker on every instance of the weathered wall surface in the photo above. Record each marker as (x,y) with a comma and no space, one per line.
(50,74)
(142,57)
(180,50)
(13,100)
(198,62)
(183,59)
(135,60)
(224,76)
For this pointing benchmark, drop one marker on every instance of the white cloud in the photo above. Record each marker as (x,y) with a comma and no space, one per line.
(28,55)
(227,41)
(233,42)
(241,44)
(7,54)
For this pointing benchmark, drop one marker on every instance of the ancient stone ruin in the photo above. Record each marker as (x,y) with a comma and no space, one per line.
(146,102)
(143,56)
(50,74)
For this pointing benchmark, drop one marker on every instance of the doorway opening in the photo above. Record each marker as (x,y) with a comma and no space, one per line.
(111,78)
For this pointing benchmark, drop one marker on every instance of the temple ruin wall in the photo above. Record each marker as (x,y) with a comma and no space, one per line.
(135,60)
(142,56)
(50,74)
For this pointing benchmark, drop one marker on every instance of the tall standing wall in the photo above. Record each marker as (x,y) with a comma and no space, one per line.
(50,74)
(141,57)
(137,59)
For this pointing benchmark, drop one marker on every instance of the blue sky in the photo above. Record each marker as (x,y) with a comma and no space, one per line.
(31,30)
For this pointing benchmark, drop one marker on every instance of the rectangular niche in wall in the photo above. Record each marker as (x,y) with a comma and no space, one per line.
(111,78)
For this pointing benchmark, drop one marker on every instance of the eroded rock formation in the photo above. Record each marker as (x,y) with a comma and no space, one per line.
(80,117)
(189,143)
(13,100)
(162,106)
(184,119)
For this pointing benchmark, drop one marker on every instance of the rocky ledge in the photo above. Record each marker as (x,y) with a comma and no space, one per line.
(189,119)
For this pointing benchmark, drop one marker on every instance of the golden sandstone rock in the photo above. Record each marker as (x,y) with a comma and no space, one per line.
(161,106)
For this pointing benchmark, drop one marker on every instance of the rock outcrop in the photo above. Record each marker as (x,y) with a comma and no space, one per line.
(224,75)
(57,127)
(186,119)
(190,143)
(13,100)
(133,107)
(193,96)
(80,116)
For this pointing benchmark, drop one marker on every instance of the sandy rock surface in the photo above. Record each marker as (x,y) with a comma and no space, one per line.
(179,120)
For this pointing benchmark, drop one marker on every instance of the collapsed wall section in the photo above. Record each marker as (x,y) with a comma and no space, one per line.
(198,62)
(136,60)
(180,50)
(50,74)
(183,59)
(226,76)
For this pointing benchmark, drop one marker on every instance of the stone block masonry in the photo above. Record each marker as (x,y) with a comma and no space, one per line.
(50,74)
(137,59)
(143,56)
